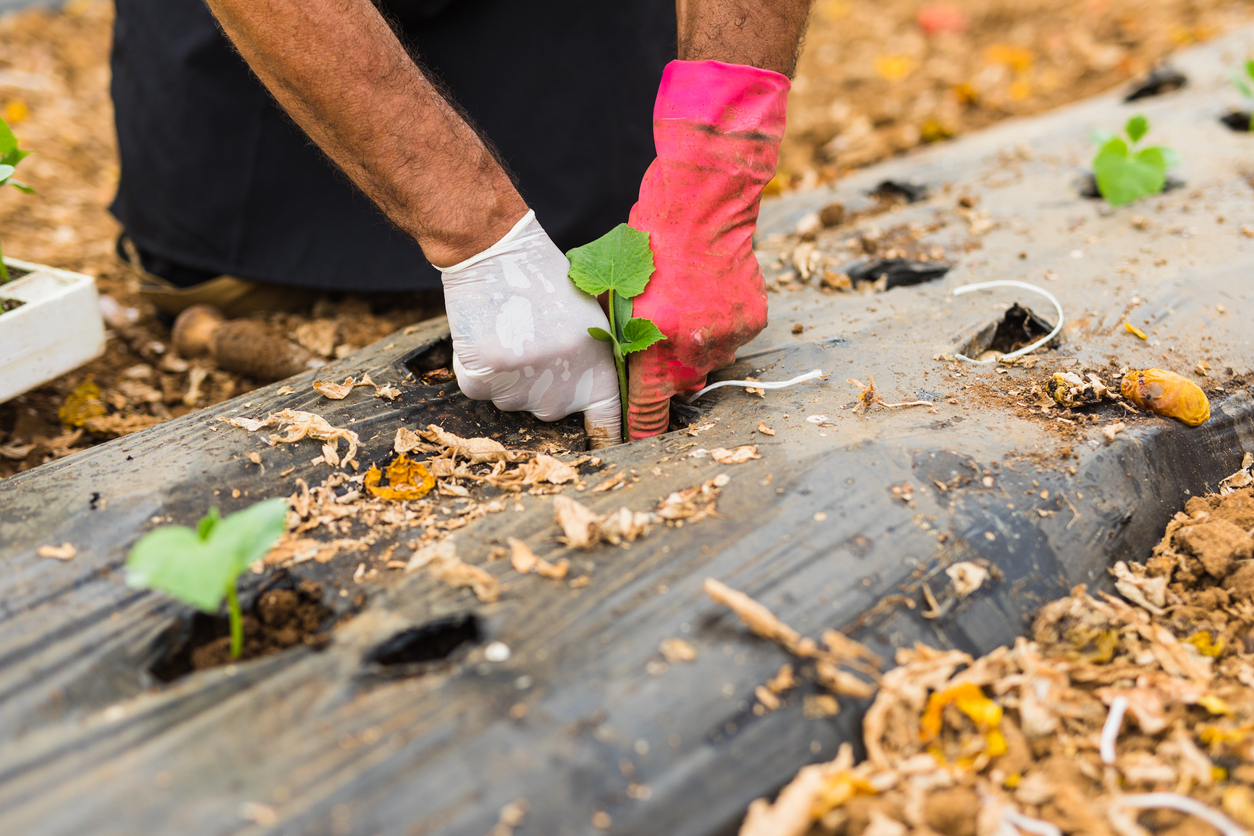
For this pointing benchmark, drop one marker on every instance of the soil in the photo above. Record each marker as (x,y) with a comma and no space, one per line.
(279,618)
(1019,731)
(871,83)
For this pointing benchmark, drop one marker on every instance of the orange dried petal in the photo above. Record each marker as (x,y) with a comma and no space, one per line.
(407,479)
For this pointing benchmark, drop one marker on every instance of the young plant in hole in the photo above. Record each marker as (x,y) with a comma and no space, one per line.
(618,263)
(10,156)
(1125,174)
(199,567)
(1243,80)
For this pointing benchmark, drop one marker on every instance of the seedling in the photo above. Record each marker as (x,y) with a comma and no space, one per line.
(1125,174)
(10,156)
(618,263)
(1244,82)
(199,567)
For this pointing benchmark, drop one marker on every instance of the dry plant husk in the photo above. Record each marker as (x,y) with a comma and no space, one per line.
(1167,393)
(1012,741)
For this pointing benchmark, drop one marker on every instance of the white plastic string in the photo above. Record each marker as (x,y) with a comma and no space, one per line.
(1175,801)
(1028,824)
(1025,286)
(756,384)
(1110,731)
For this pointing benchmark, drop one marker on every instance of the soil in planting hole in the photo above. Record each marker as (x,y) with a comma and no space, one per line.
(7,305)
(1018,328)
(279,619)
(1237,120)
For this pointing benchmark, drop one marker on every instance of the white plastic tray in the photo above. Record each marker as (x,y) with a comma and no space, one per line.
(58,328)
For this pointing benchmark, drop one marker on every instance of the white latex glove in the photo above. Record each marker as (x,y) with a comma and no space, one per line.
(520,334)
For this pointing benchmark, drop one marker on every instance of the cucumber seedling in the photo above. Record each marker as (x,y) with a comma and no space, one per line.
(618,263)
(10,156)
(1122,172)
(199,567)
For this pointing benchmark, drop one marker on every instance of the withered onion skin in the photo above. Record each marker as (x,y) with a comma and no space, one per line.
(1167,393)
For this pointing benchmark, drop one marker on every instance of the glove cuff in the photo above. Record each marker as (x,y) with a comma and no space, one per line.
(733,98)
(496,249)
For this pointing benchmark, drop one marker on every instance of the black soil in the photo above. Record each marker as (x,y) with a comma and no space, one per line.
(278,620)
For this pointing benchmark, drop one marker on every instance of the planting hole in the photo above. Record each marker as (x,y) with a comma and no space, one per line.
(284,616)
(887,273)
(1237,120)
(434,357)
(1163,79)
(431,642)
(7,305)
(1017,328)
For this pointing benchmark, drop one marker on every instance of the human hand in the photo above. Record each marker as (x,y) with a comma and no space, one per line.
(520,334)
(717,127)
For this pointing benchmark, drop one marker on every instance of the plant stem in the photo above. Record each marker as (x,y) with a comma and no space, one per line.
(620,364)
(237,622)
(4,271)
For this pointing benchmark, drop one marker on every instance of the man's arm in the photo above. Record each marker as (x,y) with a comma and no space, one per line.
(338,69)
(765,34)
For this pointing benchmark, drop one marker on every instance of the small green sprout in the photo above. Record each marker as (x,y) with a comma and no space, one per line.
(1244,82)
(200,567)
(618,263)
(10,156)
(1124,174)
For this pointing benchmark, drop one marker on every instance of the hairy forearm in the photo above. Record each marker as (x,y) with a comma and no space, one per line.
(761,33)
(338,69)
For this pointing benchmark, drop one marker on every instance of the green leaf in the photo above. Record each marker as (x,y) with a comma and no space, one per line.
(6,171)
(20,186)
(1249,67)
(1137,127)
(640,334)
(1242,88)
(1122,179)
(1170,158)
(600,334)
(14,157)
(8,142)
(207,523)
(620,261)
(198,566)
(622,314)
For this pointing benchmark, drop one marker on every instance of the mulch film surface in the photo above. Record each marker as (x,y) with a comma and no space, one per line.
(874,80)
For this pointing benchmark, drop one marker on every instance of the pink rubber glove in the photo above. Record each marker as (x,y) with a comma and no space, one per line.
(717,128)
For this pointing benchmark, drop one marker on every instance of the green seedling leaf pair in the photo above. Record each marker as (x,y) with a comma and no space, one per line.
(10,156)
(201,566)
(1244,82)
(1125,174)
(618,263)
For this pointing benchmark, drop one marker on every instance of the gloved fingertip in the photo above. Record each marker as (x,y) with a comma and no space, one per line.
(603,423)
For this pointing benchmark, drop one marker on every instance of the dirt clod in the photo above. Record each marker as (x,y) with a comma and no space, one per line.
(1218,544)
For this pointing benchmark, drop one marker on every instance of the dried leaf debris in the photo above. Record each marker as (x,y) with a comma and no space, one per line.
(340,391)
(835,651)
(869,397)
(299,425)
(1034,738)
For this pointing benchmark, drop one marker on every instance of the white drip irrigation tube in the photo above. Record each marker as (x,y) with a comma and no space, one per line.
(1025,286)
(756,384)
